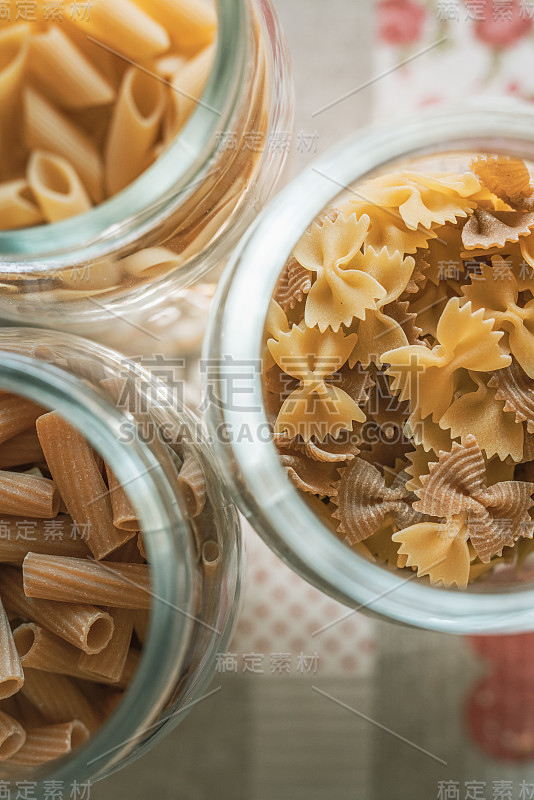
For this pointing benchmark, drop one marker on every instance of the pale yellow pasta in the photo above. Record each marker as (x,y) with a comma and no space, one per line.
(110,662)
(12,736)
(91,278)
(11,674)
(53,537)
(14,48)
(150,261)
(58,698)
(56,186)
(134,128)
(192,23)
(48,129)
(124,514)
(18,208)
(72,463)
(64,74)
(123,26)
(187,86)
(76,580)
(49,742)
(28,495)
(84,626)
(168,65)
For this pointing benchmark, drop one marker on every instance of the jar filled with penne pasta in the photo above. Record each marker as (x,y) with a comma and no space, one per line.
(389,413)
(139,140)
(120,557)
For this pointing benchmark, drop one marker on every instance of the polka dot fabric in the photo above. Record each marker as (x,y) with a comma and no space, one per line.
(282,614)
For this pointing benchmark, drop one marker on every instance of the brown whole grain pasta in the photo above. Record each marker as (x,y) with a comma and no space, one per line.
(58,698)
(28,495)
(16,415)
(75,471)
(76,580)
(49,742)
(85,626)
(110,662)
(53,537)
(12,736)
(24,448)
(11,673)
(124,514)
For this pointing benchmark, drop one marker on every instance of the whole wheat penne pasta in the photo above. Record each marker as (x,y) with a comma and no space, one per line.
(110,662)
(77,580)
(48,129)
(58,698)
(19,536)
(28,496)
(18,208)
(64,74)
(124,514)
(56,186)
(16,415)
(24,448)
(192,24)
(84,626)
(40,649)
(12,736)
(211,558)
(11,673)
(141,623)
(123,26)
(75,471)
(134,128)
(49,742)
(187,87)
(53,537)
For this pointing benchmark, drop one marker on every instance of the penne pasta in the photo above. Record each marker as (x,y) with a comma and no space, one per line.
(12,736)
(76,580)
(56,186)
(124,514)
(23,448)
(16,415)
(18,208)
(110,662)
(135,123)
(84,626)
(123,26)
(192,484)
(47,129)
(58,698)
(28,495)
(192,23)
(73,466)
(49,742)
(187,87)
(50,537)
(150,261)
(64,74)
(14,49)
(89,277)
(11,673)
(211,558)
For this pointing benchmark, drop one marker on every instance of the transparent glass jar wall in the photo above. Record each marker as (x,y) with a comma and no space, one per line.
(181,218)
(193,609)
(260,486)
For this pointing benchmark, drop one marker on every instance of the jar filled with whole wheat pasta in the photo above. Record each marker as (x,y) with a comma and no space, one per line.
(120,560)
(383,444)
(139,140)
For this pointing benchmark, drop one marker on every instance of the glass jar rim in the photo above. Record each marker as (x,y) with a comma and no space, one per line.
(89,411)
(140,206)
(259,483)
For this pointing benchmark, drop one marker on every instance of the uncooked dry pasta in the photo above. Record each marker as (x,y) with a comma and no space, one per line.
(46,743)
(104,89)
(110,662)
(56,186)
(418,289)
(11,674)
(12,736)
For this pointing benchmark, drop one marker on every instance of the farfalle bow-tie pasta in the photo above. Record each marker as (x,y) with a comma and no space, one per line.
(399,369)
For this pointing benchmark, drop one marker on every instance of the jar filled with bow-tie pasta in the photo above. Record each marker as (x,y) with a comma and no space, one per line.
(120,561)
(383,442)
(139,139)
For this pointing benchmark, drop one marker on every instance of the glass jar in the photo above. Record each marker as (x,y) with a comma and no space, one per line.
(105,272)
(261,487)
(134,422)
